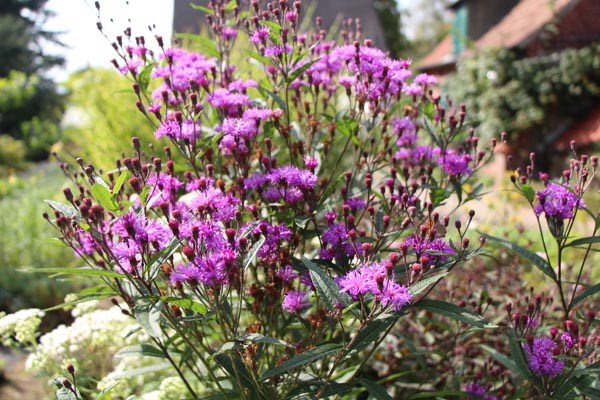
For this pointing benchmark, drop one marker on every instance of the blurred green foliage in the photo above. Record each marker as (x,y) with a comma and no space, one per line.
(31,104)
(25,242)
(537,97)
(103,118)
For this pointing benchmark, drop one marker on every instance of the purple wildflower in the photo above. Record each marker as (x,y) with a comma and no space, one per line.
(456,164)
(436,250)
(478,390)
(557,201)
(541,359)
(295,301)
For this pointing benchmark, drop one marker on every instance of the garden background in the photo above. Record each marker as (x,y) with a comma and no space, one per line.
(542,99)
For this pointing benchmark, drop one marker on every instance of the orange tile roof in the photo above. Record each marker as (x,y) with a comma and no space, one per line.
(518,27)
(582,132)
(523,22)
(440,55)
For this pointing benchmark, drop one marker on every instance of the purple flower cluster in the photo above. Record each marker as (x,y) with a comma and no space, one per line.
(541,358)
(288,183)
(295,301)
(557,201)
(436,250)
(478,390)
(375,279)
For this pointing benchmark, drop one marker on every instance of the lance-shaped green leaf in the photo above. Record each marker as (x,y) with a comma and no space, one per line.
(187,304)
(371,332)
(105,198)
(120,182)
(423,284)
(528,192)
(455,312)
(530,256)
(375,390)
(328,290)
(203,44)
(298,71)
(140,350)
(516,352)
(105,393)
(590,291)
(100,273)
(66,209)
(303,359)
(148,315)
(584,241)
(88,294)
(258,338)
(144,77)
(251,256)
(156,263)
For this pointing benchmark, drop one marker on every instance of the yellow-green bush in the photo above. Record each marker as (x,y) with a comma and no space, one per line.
(102,117)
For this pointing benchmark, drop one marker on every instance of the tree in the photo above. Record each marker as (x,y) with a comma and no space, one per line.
(390,20)
(31,105)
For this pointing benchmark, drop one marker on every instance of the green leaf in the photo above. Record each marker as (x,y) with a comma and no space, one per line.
(63,393)
(261,59)
(264,91)
(258,338)
(148,315)
(251,256)
(501,358)
(105,198)
(130,373)
(236,368)
(302,359)
(348,127)
(187,304)
(231,5)
(298,71)
(590,291)
(372,332)
(137,350)
(202,43)
(423,284)
(66,209)
(119,182)
(455,312)
(158,260)
(438,195)
(88,294)
(104,394)
(272,25)
(528,192)
(586,240)
(516,352)
(328,290)
(375,389)
(530,256)
(78,271)
(202,8)
(144,77)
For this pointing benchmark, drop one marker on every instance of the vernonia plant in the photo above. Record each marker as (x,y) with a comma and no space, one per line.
(300,210)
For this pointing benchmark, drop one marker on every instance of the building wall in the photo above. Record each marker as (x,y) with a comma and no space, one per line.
(483,14)
(185,19)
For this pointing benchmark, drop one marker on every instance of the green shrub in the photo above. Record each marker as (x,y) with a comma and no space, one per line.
(25,243)
(103,117)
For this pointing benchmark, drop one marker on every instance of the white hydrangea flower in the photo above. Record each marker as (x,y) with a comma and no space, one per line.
(20,327)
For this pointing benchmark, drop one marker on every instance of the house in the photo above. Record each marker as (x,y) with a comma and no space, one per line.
(532,30)
(187,20)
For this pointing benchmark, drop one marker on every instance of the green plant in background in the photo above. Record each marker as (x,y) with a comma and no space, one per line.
(535,98)
(31,105)
(24,243)
(102,118)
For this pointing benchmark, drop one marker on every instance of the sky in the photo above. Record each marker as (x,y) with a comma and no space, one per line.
(86,46)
